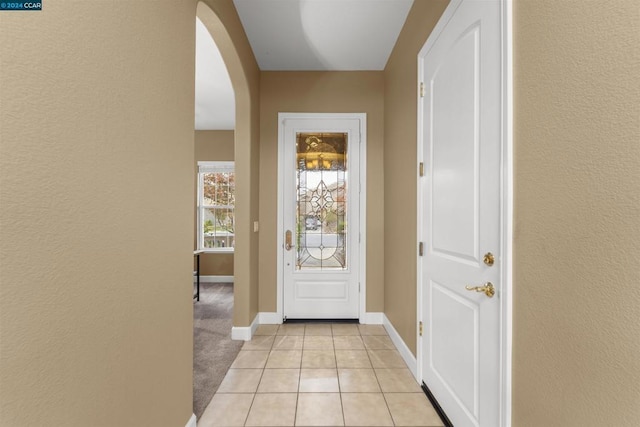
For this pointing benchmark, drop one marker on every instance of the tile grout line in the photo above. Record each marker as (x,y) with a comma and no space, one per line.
(299,370)
(335,358)
(295,415)
(393,421)
(340,391)
(246,419)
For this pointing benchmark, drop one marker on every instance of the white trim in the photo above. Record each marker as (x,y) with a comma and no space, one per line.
(280,220)
(244,333)
(215,279)
(192,421)
(216,166)
(265,318)
(402,347)
(362,220)
(362,248)
(507,196)
(226,250)
(506,321)
(372,318)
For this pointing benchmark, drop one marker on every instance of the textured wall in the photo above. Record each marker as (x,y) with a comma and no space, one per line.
(96,214)
(212,145)
(400,174)
(577,219)
(321,92)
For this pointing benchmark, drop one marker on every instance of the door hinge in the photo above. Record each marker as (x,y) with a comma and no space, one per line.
(421,168)
(421,89)
(420,328)
(420,249)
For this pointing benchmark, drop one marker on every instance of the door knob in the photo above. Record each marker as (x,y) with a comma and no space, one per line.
(488,289)
(489,259)
(287,240)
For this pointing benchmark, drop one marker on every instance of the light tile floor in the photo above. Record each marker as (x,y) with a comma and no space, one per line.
(319,375)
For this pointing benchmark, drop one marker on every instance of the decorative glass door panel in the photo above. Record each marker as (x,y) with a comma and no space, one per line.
(321,196)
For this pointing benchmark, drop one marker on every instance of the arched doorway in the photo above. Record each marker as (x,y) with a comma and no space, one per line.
(221,22)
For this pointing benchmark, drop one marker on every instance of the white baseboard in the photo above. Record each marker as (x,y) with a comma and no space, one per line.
(244,333)
(215,279)
(373,318)
(192,421)
(406,354)
(267,318)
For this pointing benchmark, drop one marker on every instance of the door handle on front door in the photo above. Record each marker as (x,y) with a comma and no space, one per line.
(287,240)
(488,289)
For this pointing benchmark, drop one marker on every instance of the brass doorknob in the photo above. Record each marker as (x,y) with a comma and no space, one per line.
(489,259)
(287,240)
(488,289)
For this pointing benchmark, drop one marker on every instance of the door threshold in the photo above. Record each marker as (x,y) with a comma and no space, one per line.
(356,321)
(434,402)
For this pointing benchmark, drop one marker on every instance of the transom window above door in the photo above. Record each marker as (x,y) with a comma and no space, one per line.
(216,206)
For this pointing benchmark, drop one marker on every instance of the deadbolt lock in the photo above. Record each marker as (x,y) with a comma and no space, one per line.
(489,259)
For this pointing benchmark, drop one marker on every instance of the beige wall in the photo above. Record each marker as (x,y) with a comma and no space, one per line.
(214,145)
(321,92)
(577,204)
(221,19)
(97,114)
(400,154)
(96,129)
(577,213)
(85,129)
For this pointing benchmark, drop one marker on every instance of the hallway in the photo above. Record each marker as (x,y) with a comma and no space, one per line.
(319,375)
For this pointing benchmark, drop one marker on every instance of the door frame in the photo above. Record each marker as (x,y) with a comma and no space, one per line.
(506,200)
(362,213)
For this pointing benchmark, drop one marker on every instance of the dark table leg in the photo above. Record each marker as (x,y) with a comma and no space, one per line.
(198,277)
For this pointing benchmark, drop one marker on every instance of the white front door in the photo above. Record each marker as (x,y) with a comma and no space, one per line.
(320,214)
(461,222)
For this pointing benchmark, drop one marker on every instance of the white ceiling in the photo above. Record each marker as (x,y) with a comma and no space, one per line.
(297,35)
(322,34)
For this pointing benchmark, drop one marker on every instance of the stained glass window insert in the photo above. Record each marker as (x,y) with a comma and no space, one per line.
(321,187)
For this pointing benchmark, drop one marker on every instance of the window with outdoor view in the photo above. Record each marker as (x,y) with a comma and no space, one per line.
(216,200)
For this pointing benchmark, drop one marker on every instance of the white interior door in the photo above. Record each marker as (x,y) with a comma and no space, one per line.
(461,136)
(320,213)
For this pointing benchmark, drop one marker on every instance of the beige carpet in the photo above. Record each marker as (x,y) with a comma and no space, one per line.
(213,349)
